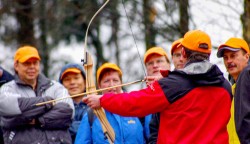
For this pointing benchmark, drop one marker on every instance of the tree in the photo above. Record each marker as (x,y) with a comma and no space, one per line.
(245,19)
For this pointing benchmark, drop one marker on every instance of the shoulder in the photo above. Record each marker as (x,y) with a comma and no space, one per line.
(57,85)
(245,74)
(10,84)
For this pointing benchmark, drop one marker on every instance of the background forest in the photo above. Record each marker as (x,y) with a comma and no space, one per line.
(122,31)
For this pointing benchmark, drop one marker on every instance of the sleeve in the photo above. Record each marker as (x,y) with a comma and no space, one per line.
(137,103)
(154,127)
(242,106)
(29,112)
(61,92)
(9,101)
(12,104)
(84,134)
(59,117)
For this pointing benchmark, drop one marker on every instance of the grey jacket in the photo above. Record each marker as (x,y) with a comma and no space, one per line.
(25,123)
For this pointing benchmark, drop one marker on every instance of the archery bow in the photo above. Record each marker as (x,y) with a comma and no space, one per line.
(90,86)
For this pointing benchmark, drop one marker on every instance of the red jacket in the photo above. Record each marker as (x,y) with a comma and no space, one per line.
(194,108)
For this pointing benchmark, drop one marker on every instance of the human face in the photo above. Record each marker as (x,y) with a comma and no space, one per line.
(74,83)
(235,62)
(109,79)
(156,63)
(178,61)
(28,71)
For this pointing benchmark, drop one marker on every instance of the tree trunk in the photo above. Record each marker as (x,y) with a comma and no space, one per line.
(245,19)
(184,16)
(149,14)
(115,28)
(43,48)
(24,15)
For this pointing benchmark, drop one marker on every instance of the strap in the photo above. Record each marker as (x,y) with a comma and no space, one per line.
(90,116)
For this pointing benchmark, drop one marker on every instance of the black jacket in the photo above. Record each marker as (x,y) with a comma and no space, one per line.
(242,106)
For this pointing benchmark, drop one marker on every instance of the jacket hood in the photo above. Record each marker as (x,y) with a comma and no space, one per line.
(71,65)
(203,73)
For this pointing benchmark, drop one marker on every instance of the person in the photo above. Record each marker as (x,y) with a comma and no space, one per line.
(155,60)
(177,59)
(127,130)
(72,76)
(242,105)
(194,103)
(22,121)
(235,55)
(5,77)
(178,64)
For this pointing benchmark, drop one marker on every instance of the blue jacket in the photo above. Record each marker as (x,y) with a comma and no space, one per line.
(128,130)
(80,110)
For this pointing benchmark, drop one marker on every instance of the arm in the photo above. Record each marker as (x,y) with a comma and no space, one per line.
(136,103)
(84,134)
(60,92)
(29,112)
(59,117)
(242,109)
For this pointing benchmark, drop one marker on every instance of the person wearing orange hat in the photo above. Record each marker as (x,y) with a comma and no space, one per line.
(23,122)
(155,60)
(176,54)
(72,76)
(194,103)
(178,64)
(128,130)
(235,53)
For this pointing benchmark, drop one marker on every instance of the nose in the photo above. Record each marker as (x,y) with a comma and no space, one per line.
(111,83)
(155,64)
(228,60)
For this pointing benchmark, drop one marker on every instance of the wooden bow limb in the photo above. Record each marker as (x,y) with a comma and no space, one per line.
(86,93)
(99,112)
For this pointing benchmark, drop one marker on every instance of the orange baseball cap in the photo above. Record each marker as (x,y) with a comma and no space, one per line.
(176,44)
(233,44)
(108,66)
(197,40)
(26,52)
(155,50)
(72,70)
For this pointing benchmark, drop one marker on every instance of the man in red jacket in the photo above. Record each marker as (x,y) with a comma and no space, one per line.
(194,103)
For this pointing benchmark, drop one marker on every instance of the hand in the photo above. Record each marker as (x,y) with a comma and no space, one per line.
(93,101)
(151,79)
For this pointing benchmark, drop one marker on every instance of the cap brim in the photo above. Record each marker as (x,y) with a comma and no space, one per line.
(221,50)
(25,58)
(155,52)
(70,70)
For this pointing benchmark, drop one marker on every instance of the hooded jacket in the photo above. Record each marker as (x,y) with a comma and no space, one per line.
(194,105)
(80,108)
(25,123)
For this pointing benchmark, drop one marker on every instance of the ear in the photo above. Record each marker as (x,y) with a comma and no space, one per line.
(183,52)
(247,57)
(15,65)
